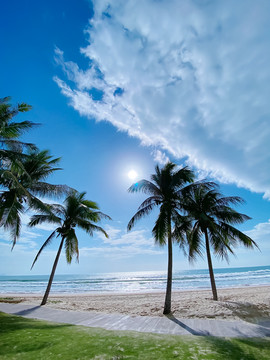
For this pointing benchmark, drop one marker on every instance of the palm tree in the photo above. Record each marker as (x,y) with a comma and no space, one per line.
(22,185)
(77,212)
(211,217)
(165,190)
(10,130)
(22,174)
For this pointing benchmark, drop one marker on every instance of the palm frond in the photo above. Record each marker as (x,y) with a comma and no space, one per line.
(238,235)
(44,189)
(226,214)
(15,230)
(145,186)
(160,230)
(182,176)
(38,205)
(46,243)
(10,212)
(42,218)
(152,200)
(234,200)
(221,242)
(139,214)
(90,228)
(195,187)
(9,180)
(101,216)
(16,145)
(13,130)
(182,226)
(71,246)
(87,213)
(194,239)
(90,204)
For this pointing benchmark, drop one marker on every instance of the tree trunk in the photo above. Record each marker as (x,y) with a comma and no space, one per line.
(210,267)
(45,297)
(167,305)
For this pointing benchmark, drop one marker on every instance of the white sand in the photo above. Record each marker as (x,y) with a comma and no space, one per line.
(249,303)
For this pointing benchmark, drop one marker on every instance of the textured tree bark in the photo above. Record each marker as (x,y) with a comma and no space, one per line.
(45,297)
(167,305)
(210,267)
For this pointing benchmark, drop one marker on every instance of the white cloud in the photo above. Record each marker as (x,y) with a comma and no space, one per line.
(116,252)
(195,80)
(160,157)
(261,234)
(121,244)
(118,237)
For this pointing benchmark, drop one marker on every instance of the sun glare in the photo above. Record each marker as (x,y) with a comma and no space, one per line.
(132,174)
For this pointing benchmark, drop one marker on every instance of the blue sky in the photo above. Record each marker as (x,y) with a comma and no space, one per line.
(121,85)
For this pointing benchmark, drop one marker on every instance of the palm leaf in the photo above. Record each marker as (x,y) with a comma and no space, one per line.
(89,227)
(50,190)
(194,242)
(160,230)
(238,235)
(152,200)
(145,186)
(42,218)
(10,212)
(139,214)
(71,246)
(46,243)
(182,226)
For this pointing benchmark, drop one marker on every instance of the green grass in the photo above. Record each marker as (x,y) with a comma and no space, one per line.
(22,338)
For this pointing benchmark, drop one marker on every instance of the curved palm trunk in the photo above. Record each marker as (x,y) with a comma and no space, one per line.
(167,305)
(210,267)
(45,297)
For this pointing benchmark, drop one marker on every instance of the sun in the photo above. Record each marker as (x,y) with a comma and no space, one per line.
(132,174)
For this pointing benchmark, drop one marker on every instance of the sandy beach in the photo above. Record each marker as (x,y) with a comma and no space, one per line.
(249,303)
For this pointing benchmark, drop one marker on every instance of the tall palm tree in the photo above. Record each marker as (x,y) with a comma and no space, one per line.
(165,190)
(77,212)
(212,218)
(22,185)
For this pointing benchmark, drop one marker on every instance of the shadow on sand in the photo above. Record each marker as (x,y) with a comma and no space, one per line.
(27,311)
(187,328)
(248,312)
(227,348)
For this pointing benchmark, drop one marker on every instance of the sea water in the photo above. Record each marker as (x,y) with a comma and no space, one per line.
(143,281)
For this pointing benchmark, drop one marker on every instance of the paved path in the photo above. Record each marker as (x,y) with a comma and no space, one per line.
(160,325)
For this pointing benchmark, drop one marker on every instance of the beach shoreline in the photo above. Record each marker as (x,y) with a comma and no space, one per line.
(249,303)
(105,293)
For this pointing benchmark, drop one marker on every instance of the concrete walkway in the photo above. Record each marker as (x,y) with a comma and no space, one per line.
(160,325)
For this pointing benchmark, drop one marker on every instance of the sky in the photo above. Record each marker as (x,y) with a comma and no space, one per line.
(124,85)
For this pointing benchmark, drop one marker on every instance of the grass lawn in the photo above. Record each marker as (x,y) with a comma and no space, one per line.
(22,338)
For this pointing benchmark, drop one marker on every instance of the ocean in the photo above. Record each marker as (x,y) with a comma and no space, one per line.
(143,281)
